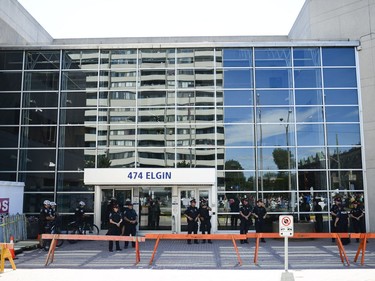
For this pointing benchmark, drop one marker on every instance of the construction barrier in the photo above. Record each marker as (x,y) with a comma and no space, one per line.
(55,237)
(5,252)
(232,237)
(13,225)
(362,246)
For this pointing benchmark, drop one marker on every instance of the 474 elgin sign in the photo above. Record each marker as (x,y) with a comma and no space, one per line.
(286,227)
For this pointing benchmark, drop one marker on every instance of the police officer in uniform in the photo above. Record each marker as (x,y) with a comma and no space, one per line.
(357,218)
(115,220)
(192,213)
(334,211)
(342,223)
(80,214)
(205,219)
(44,219)
(259,213)
(245,218)
(130,218)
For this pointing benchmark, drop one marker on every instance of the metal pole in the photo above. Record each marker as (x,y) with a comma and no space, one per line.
(286,253)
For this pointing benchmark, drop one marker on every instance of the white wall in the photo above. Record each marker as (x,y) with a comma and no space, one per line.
(11,196)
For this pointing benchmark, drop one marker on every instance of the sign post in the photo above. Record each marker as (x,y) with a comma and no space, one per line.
(286,229)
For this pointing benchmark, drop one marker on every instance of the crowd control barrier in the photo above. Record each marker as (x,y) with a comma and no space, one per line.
(5,253)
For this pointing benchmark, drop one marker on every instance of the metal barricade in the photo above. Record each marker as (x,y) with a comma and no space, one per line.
(13,225)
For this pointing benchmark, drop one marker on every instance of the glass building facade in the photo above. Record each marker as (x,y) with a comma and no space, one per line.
(277,123)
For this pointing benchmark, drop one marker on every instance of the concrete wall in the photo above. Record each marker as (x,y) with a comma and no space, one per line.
(353,20)
(18,27)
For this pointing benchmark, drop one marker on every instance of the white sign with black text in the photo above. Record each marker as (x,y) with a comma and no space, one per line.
(286,227)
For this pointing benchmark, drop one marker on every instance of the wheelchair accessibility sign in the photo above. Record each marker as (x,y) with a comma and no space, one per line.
(286,227)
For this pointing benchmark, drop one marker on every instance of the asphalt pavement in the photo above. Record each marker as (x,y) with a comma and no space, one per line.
(309,259)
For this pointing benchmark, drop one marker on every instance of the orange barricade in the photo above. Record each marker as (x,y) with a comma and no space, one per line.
(55,237)
(232,237)
(362,246)
(5,253)
(337,236)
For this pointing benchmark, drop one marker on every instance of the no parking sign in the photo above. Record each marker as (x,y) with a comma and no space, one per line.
(286,228)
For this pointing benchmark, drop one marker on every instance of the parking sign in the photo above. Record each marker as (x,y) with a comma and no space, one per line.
(286,227)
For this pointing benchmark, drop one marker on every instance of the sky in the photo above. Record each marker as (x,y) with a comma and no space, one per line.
(150,18)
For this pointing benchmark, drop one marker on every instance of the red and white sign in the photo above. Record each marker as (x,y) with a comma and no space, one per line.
(286,226)
(4,205)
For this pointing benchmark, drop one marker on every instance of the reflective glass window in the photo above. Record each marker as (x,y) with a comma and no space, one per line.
(342,114)
(39,116)
(310,134)
(345,157)
(10,81)
(37,159)
(80,59)
(237,78)
(239,158)
(195,158)
(338,56)
(9,162)
(238,114)
(68,202)
(278,202)
(78,116)
(116,79)
(273,78)
(309,114)
(311,158)
(306,56)
(8,176)
(9,116)
(42,60)
(343,134)
(111,115)
(276,158)
(312,180)
(349,180)
(39,182)
(274,115)
(35,201)
(239,135)
(155,98)
(72,159)
(342,96)
(79,80)
(194,57)
(239,181)
(156,58)
(76,136)
(9,136)
(39,99)
(126,58)
(38,136)
(238,97)
(309,97)
(156,135)
(197,114)
(265,57)
(41,81)
(114,157)
(9,100)
(113,99)
(275,134)
(161,115)
(160,157)
(307,78)
(340,77)
(274,97)
(69,182)
(11,60)
(237,57)
(81,99)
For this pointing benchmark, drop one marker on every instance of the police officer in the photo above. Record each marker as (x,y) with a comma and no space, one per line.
(245,217)
(357,218)
(334,211)
(114,228)
(259,213)
(130,218)
(44,219)
(205,219)
(191,213)
(318,216)
(79,213)
(342,223)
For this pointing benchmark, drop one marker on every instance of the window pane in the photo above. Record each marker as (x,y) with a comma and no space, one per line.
(161,157)
(311,158)
(152,98)
(76,136)
(273,78)
(9,136)
(274,97)
(72,159)
(79,80)
(309,114)
(238,114)
(39,182)
(348,180)
(40,99)
(274,115)
(306,56)
(239,78)
(239,159)
(42,60)
(340,77)
(72,182)
(241,135)
(279,202)
(115,157)
(343,134)
(345,157)
(349,96)
(80,59)
(338,56)
(11,60)
(308,97)
(41,81)
(39,116)
(78,116)
(9,100)
(9,117)
(238,97)
(307,78)
(9,162)
(276,158)
(118,59)
(312,180)
(275,135)
(157,58)
(237,57)
(342,114)
(38,136)
(10,81)
(239,181)
(272,57)
(35,200)
(310,135)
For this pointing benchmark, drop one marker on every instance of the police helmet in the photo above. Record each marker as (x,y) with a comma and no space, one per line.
(81,203)
(53,204)
(46,202)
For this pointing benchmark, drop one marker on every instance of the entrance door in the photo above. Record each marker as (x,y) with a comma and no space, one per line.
(187,194)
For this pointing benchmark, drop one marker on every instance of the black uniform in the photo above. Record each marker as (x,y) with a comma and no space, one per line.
(130,218)
(334,211)
(113,229)
(245,210)
(235,209)
(205,219)
(357,219)
(192,220)
(79,215)
(260,213)
(43,221)
(318,217)
(342,223)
